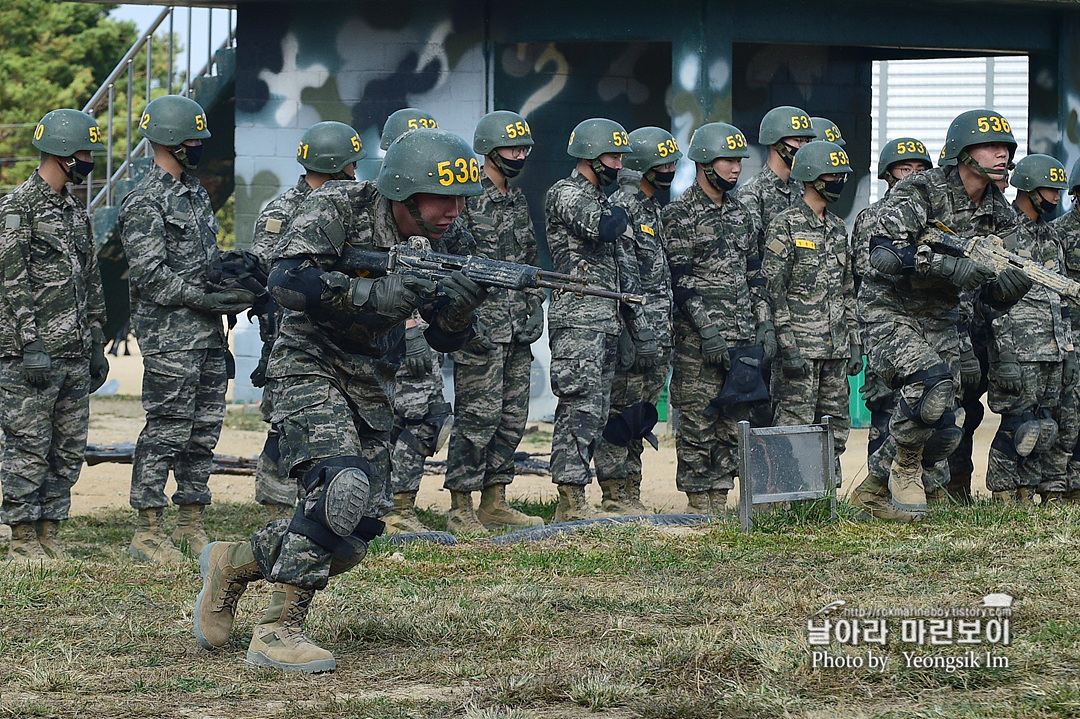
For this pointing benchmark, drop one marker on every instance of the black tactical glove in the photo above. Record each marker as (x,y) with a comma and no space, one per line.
(970,369)
(1070,370)
(480,343)
(534,327)
(36,363)
(1011,284)
(99,366)
(1008,375)
(854,363)
(961,271)
(794,365)
(766,337)
(714,349)
(465,296)
(258,375)
(227,302)
(646,351)
(393,296)
(418,359)
(613,224)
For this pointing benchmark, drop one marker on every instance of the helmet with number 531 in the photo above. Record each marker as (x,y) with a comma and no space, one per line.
(432,161)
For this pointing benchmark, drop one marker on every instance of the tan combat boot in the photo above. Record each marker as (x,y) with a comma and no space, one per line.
(1056,499)
(718,501)
(402,518)
(1073,496)
(190,534)
(462,517)
(25,544)
(633,495)
(276,512)
(48,533)
(225,568)
(614,500)
(937,496)
(1025,495)
(572,505)
(906,481)
(697,503)
(1007,497)
(281,642)
(150,542)
(494,512)
(872,498)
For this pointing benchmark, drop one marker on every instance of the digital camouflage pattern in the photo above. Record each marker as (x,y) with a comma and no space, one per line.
(765,196)
(275,218)
(412,397)
(51,292)
(1068,229)
(1006,470)
(716,278)
(491,387)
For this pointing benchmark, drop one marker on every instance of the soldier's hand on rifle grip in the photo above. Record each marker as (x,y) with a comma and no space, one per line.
(961,271)
(1011,284)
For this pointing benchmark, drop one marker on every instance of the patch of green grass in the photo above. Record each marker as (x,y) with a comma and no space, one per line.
(245,417)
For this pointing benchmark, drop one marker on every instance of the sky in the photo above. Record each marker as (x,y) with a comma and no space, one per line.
(144,15)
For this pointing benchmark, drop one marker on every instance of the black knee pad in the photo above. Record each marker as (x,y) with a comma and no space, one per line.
(337,516)
(943,441)
(937,395)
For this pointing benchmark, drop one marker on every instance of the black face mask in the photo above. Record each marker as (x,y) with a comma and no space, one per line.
(1042,205)
(830,189)
(509,168)
(188,156)
(77,170)
(718,182)
(605,175)
(661,180)
(787,152)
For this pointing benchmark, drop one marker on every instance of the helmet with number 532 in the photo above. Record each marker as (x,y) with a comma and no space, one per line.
(403,120)
(171,119)
(432,161)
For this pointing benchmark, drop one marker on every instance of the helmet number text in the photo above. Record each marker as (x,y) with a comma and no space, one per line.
(736,141)
(800,122)
(200,122)
(416,123)
(518,129)
(993,122)
(838,158)
(911,146)
(459,170)
(1057,174)
(619,139)
(668,147)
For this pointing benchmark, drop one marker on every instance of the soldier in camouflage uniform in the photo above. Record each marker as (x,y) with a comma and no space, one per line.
(327,151)
(1068,229)
(649,170)
(720,300)
(170,238)
(52,349)
(1032,361)
(582,225)
(492,379)
(783,131)
(825,129)
(910,303)
(338,349)
(807,272)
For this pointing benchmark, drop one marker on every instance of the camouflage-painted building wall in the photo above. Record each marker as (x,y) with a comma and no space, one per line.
(676,64)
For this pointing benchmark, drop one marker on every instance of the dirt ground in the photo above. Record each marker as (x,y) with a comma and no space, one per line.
(106,485)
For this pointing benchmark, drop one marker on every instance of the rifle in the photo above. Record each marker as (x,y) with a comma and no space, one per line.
(416,258)
(990,250)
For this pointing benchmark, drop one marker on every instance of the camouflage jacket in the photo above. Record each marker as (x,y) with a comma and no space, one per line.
(916,203)
(1035,328)
(572,210)
(715,270)
(1068,231)
(650,257)
(766,196)
(169,234)
(275,218)
(807,272)
(502,230)
(52,288)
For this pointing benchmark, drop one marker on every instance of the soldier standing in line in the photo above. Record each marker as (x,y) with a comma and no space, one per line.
(1032,361)
(783,130)
(327,151)
(826,129)
(720,300)
(53,349)
(491,383)
(338,349)
(170,238)
(1068,229)
(807,270)
(582,225)
(648,171)
(912,311)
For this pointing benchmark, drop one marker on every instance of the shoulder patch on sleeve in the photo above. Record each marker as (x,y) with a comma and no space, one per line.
(777,246)
(12,222)
(335,232)
(273,226)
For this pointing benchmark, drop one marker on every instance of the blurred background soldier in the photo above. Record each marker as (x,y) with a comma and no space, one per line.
(582,225)
(327,151)
(648,170)
(492,377)
(808,275)
(825,129)
(170,238)
(1032,361)
(338,348)
(783,131)
(1068,228)
(52,350)
(721,301)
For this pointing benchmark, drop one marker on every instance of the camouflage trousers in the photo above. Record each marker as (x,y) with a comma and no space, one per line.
(806,400)
(1071,408)
(44,439)
(621,463)
(1006,470)
(183,394)
(413,396)
(491,407)
(881,448)
(320,421)
(707,449)
(582,370)
(273,485)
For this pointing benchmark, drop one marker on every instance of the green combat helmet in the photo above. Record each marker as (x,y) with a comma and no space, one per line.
(403,120)
(902,149)
(826,129)
(594,137)
(1074,178)
(651,147)
(976,127)
(328,147)
(171,119)
(781,122)
(714,140)
(503,128)
(815,159)
(1035,171)
(65,132)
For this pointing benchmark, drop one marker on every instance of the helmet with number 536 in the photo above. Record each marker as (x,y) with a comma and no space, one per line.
(432,161)
(976,127)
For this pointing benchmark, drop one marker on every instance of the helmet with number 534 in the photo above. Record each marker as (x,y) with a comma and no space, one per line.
(432,161)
